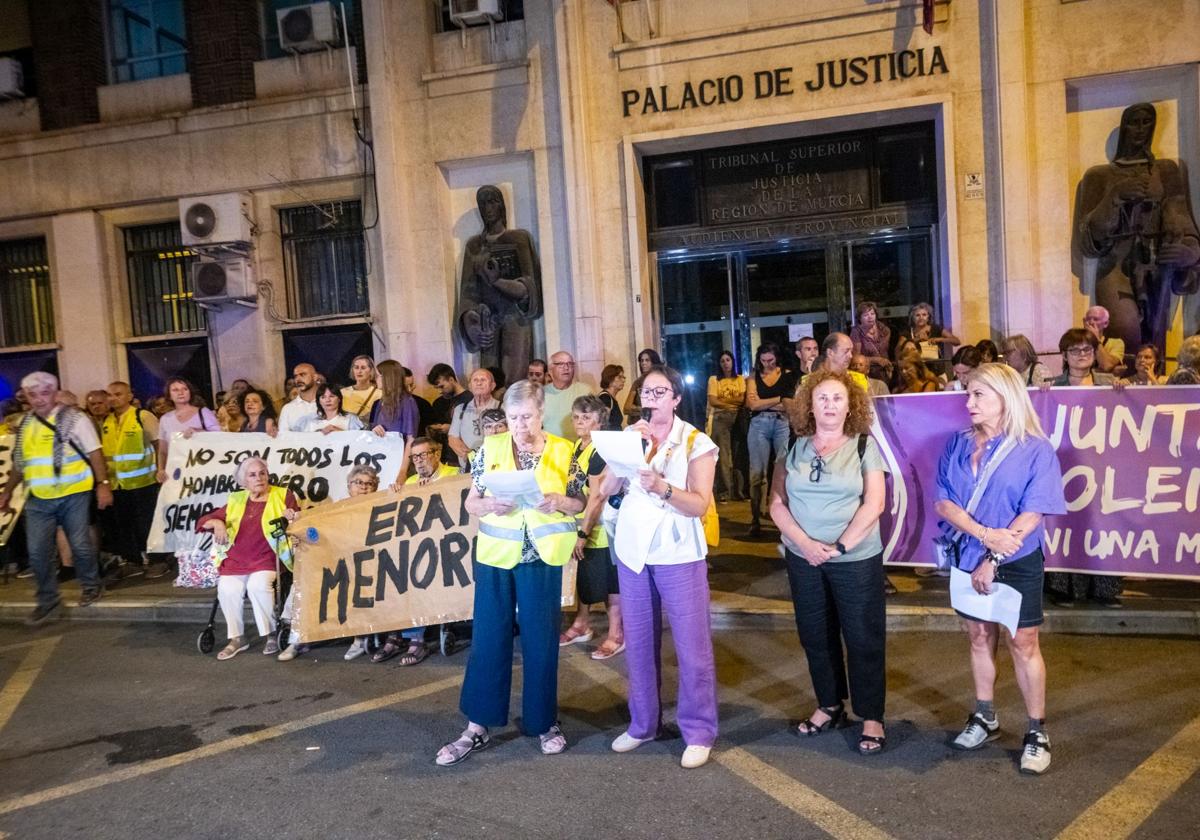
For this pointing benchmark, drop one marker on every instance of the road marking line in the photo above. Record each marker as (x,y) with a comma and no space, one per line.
(19,645)
(41,797)
(1131,801)
(18,684)
(822,812)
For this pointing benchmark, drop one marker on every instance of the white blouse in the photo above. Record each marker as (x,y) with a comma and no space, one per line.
(651,532)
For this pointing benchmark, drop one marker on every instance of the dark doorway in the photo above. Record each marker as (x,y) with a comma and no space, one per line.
(329,349)
(153,363)
(15,366)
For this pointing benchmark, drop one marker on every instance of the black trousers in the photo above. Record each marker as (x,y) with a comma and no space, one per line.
(836,603)
(132,518)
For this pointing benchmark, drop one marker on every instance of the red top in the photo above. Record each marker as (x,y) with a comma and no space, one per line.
(250,551)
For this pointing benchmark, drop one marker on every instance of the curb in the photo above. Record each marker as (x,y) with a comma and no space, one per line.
(900,618)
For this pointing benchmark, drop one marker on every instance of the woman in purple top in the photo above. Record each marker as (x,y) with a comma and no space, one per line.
(395,411)
(871,336)
(1000,540)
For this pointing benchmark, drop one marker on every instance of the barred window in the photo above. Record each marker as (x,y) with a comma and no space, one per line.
(160,291)
(26,308)
(324,259)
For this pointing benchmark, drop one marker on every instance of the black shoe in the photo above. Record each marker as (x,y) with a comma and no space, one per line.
(27,572)
(90,596)
(157,570)
(755,531)
(43,613)
(1060,600)
(1113,603)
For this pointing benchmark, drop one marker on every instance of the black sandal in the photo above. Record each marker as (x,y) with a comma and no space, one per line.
(460,749)
(811,730)
(391,647)
(879,740)
(416,653)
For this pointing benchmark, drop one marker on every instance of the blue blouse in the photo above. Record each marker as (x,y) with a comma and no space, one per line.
(1028,480)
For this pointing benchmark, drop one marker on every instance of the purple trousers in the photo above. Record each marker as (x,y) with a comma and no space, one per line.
(683,591)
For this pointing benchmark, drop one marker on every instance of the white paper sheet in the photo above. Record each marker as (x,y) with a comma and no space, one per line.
(622,451)
(799,331)
(517,486)
(1002,605)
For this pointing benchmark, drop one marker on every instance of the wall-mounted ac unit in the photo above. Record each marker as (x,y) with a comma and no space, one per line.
(12,79)
(475,12)
(309,28)
(216,220)
(223,279)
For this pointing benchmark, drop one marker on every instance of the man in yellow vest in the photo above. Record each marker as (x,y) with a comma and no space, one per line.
(128,438)
(57,454)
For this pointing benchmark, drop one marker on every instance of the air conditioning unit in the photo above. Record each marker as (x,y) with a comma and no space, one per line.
(216,220)
(12,79)
(475,12)
(309,28)
(222,279)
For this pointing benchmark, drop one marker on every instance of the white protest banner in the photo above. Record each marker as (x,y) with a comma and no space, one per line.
(312,465)
(8,519)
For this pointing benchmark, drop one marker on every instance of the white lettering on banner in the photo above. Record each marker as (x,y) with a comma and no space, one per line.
(311,465)
(1188,542)
(1088,427)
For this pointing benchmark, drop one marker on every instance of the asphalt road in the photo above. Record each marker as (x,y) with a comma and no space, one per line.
(125,731)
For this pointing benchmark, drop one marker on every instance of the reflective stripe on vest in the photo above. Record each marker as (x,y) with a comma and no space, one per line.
(130,461)
(598,538)
(37,448)
(235,509)
(501,538)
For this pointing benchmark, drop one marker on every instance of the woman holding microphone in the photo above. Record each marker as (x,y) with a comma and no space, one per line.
(996,481)
(661,549)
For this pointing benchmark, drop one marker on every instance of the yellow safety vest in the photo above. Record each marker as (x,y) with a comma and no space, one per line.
(37,448)
(131,462)
(501,537)
(598,538)
(443,471)
(235,508)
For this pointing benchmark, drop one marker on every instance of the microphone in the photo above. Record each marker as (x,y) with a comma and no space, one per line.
(647,413)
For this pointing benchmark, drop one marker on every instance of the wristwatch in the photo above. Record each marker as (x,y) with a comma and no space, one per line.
(582,534)
(670,491)
(841,548)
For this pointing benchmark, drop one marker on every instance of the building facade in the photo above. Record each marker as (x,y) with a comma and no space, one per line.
(695,175)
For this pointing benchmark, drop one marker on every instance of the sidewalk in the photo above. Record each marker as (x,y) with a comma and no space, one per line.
(749,591)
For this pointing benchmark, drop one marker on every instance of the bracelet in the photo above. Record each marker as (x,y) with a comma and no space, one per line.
(666,496)
(983,539)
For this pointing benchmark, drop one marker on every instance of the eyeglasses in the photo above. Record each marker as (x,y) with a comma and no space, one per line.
(1080,351)
(362,482)
(563,364)
(656,393)
(420,456)
(818,466)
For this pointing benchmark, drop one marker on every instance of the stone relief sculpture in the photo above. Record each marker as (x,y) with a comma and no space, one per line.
(500,290)
(1133,217)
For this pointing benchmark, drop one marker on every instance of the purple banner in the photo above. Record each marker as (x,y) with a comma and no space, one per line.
(1131,476)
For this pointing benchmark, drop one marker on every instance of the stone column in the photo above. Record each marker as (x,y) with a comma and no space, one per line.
(83,319)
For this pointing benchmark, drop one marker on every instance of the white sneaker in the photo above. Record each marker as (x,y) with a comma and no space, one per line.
(625,742)
(694,756)
(978,731)
(1035,758)
(356,649)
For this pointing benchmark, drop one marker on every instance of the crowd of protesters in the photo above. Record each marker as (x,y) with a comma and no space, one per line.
(800,419)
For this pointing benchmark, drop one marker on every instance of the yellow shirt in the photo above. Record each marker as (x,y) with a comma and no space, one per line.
(443,471)
(859,380)
(360,402)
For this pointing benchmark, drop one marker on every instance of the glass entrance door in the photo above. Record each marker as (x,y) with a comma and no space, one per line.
(737,300)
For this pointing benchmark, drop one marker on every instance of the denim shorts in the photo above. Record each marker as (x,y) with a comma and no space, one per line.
(1024,575)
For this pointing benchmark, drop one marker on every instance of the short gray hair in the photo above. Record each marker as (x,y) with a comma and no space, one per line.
(363,469)
(1188,356)
(523,391)
(39,380)
(239,474)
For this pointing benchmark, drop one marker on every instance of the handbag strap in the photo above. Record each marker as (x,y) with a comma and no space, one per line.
(1006,446)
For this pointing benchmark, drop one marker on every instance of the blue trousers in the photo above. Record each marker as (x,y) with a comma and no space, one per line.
(768,430)
(42,519)
(536,589)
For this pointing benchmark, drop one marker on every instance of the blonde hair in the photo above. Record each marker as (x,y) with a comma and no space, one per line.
(1019,420)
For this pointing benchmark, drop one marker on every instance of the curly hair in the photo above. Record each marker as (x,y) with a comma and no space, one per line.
(859,418)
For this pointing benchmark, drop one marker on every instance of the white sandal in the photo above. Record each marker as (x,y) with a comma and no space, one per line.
(236,645)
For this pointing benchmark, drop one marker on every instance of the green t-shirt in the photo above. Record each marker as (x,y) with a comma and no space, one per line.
(824,508)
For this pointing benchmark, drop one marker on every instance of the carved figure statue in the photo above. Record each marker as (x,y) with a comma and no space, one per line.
(1133,217)
(500,290)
